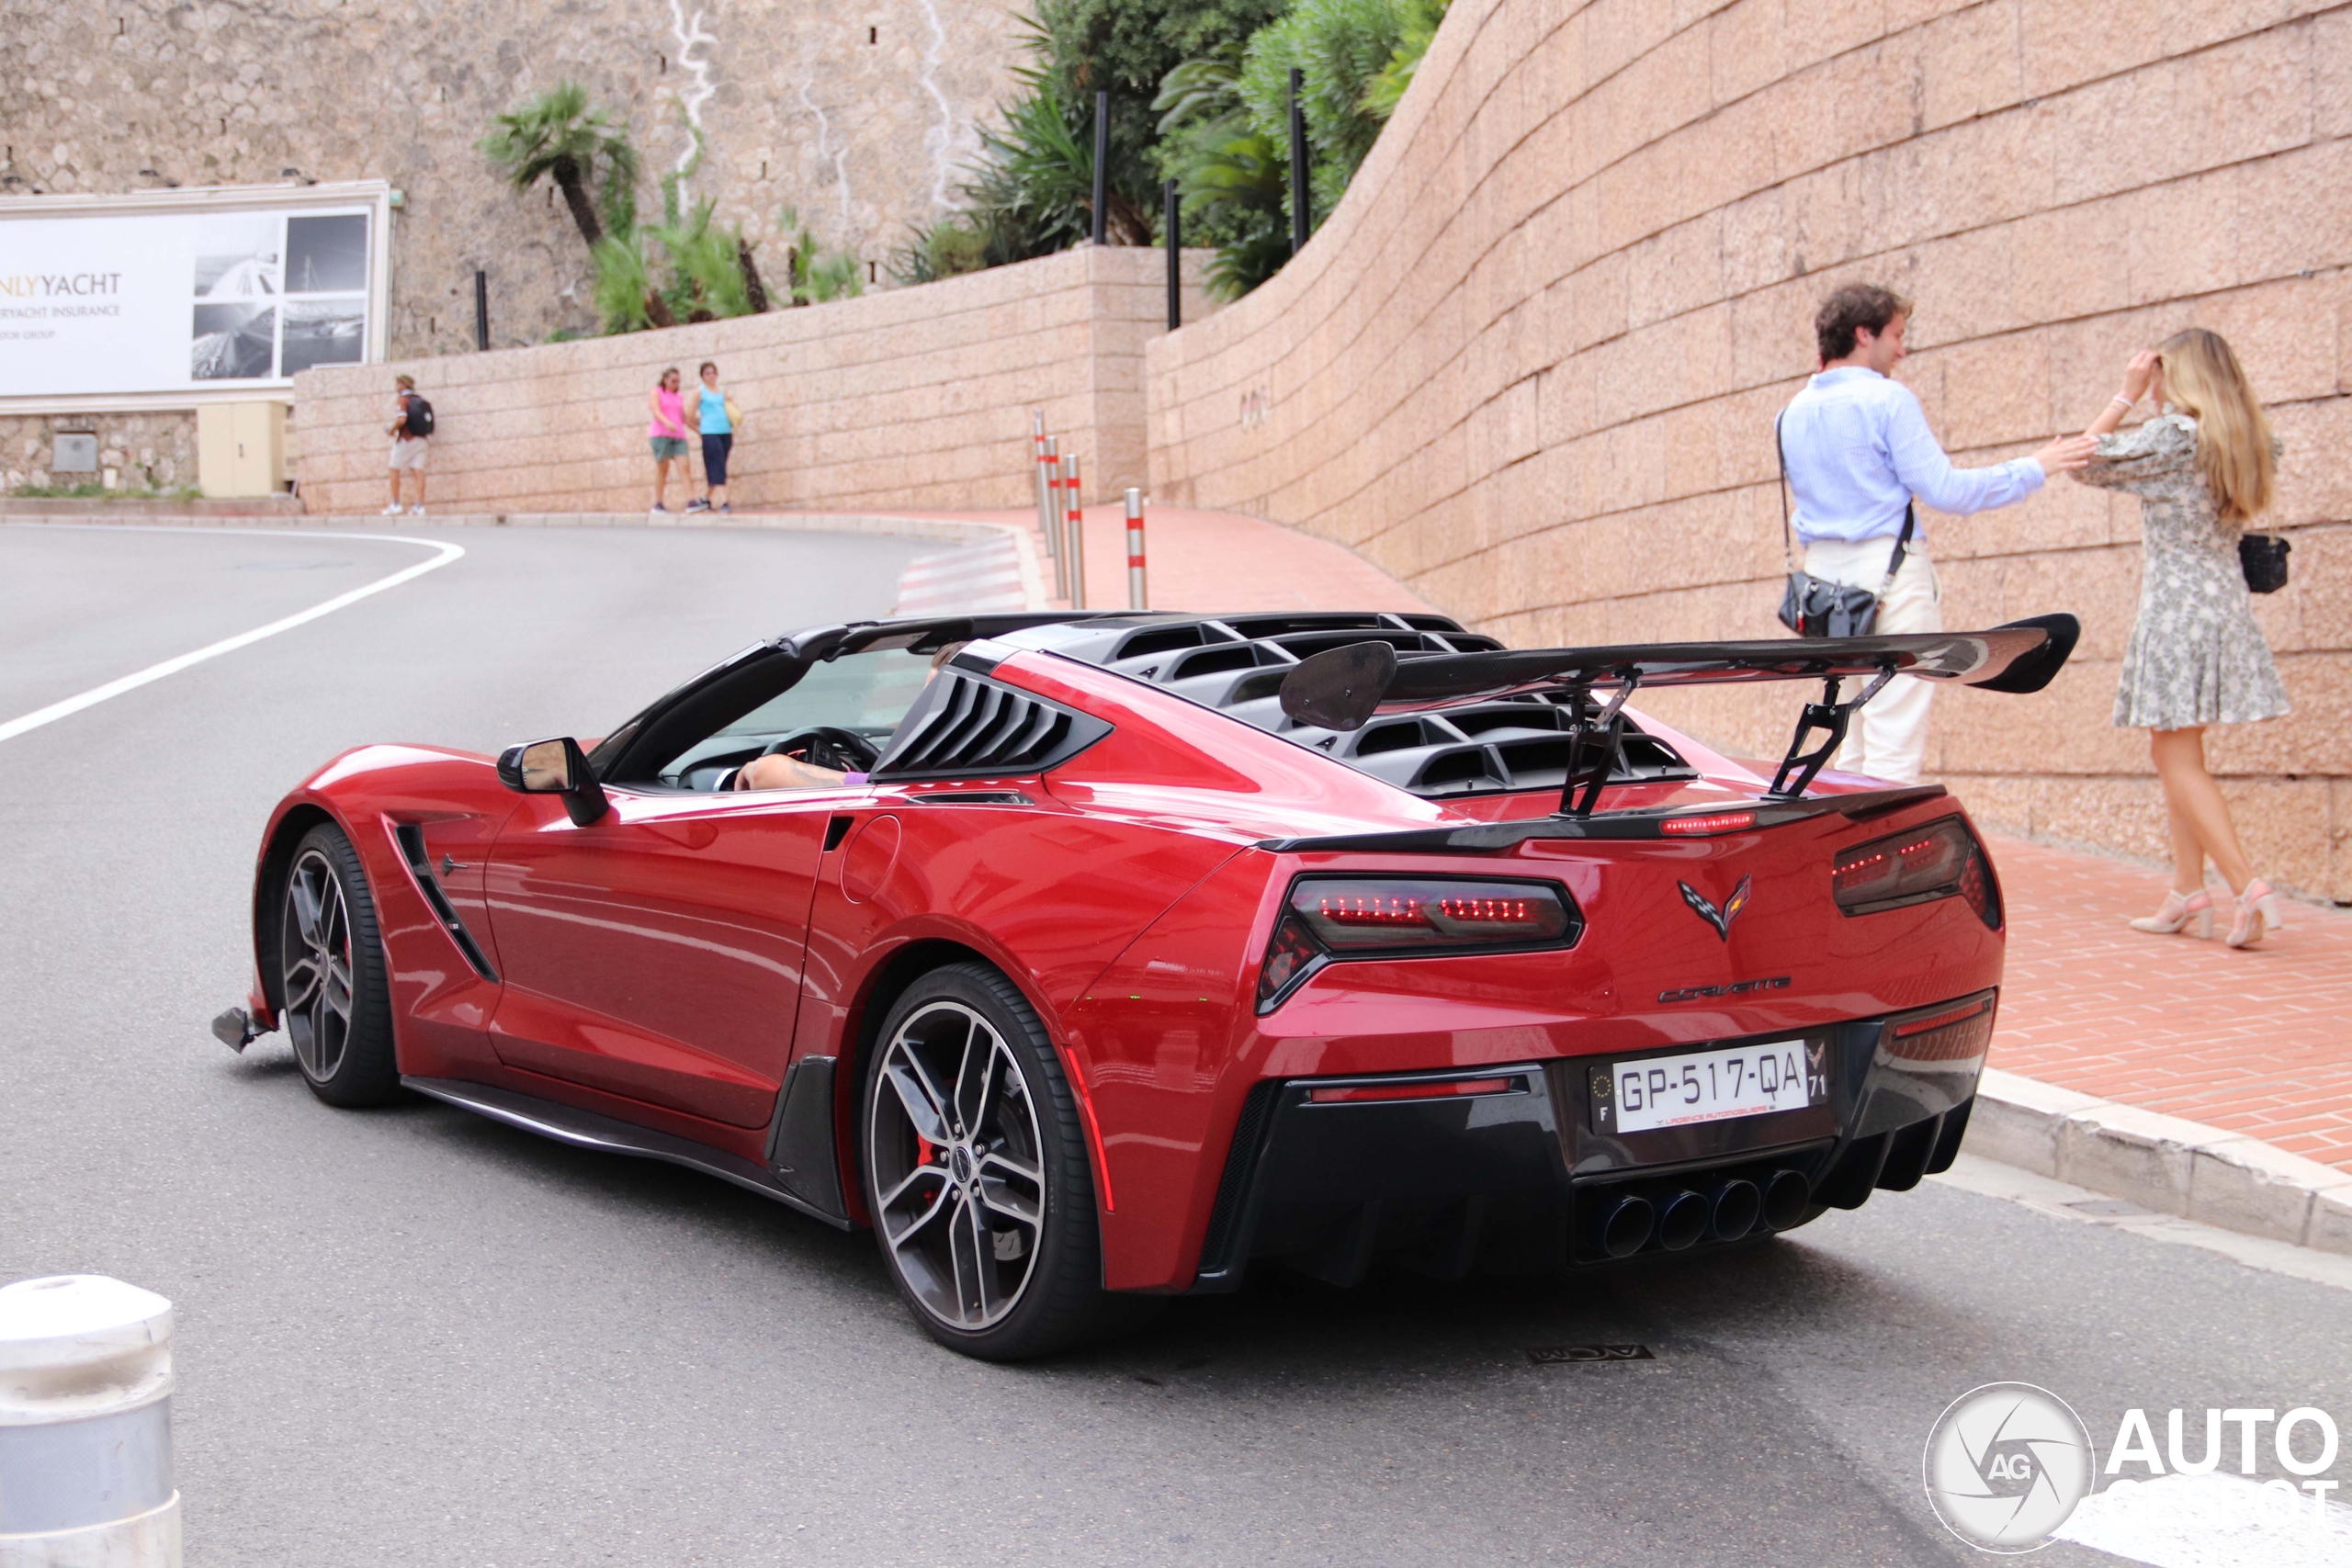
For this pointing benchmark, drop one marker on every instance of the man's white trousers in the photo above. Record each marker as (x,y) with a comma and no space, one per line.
(1889,737)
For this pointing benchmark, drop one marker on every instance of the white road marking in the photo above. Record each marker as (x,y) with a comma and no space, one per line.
(2214,1520)
(96,694)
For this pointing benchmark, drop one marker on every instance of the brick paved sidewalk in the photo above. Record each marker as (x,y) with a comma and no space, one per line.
(2256,1042)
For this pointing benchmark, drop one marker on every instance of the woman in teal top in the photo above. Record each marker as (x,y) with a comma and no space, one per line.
(717,439)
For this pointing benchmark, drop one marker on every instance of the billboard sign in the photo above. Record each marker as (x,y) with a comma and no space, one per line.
(171,297)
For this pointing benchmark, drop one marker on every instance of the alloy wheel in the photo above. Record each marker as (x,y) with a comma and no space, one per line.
(957,1166)
(316,957)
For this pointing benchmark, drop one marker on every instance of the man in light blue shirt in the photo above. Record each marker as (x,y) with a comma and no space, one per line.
(1858,450)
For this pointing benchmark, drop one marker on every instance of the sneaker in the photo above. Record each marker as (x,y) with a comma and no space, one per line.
(418,511)
(658,507)
(697,505)
(729,507)
(392,511)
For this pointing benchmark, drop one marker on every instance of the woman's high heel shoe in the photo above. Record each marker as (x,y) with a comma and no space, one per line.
(2181,911)
(2257,915)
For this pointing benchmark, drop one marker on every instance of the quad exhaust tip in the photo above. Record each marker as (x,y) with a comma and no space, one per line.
(1786,1198)
(1677,1220)
(1736,1207)
(1625,1227)
(1682,1221)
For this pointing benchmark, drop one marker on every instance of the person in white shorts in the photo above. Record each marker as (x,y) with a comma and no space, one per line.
(408,451)
(1858,449)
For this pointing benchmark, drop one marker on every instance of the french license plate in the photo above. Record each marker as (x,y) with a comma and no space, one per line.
(1718,1086)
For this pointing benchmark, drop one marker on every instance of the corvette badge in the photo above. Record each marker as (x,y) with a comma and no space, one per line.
(1719,919)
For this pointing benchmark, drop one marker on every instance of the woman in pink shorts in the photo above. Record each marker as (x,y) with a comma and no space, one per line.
(667,436)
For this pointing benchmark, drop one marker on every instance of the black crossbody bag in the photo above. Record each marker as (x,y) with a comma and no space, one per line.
(1810,606)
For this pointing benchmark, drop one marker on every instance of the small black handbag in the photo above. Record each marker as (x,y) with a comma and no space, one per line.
(2262,558)
(1810,606)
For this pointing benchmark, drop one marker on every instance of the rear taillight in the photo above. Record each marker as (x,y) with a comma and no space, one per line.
(1407,917)
(1936,860)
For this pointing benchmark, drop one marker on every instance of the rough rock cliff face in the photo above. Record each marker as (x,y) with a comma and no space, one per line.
(860,115)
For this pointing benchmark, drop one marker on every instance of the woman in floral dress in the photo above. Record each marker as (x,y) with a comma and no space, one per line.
(2204,466)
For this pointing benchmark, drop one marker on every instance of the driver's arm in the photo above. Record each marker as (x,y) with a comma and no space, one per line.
(784,773)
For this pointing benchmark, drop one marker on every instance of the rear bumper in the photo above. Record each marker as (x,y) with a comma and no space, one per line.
(1526,1178)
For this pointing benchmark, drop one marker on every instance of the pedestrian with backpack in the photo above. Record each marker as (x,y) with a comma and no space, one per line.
(411,433)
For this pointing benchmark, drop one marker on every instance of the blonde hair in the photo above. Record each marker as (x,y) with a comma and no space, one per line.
(2233,433)
(405,383)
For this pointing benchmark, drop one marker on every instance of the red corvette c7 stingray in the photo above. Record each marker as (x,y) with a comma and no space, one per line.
(1135,947)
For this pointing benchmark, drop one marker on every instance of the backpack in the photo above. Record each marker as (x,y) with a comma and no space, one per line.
(420,416)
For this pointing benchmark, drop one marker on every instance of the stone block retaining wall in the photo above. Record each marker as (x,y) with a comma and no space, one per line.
(913,397)
(1531,363)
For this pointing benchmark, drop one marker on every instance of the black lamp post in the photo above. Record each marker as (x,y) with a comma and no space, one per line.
(1175,256)
(1298,160)
(1102,162)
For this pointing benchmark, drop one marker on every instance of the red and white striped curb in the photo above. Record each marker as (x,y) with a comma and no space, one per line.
(980,577)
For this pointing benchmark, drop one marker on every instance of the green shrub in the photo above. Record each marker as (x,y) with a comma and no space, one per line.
(1340,47)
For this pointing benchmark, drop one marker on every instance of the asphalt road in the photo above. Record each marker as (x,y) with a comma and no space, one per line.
(414,1337)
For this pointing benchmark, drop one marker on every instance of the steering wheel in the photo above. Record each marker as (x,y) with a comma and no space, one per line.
(829,746)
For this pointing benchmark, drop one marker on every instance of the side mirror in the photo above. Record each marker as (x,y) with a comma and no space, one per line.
(555,767)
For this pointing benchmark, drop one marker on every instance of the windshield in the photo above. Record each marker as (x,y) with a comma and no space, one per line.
(864,693)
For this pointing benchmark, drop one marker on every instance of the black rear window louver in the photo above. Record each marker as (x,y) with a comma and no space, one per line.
(964,726)
(1235,664)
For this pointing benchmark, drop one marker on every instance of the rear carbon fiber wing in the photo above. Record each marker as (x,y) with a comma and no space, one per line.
(1344,688)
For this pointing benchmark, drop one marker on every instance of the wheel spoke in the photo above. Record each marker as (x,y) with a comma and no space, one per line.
(301,979)
(338,989)
(905,1235)
(919,1172)
(916,1095)
(302,899)
(968,1250)
(999,1161)
(976,1074)
(1003,1200)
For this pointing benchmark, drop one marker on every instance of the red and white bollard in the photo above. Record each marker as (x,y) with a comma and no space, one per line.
(1044,444)
(1050,510)
(1075,556)
(1136,593)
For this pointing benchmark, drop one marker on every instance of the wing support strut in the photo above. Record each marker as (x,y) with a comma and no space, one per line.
(1595,745)
(1830,718)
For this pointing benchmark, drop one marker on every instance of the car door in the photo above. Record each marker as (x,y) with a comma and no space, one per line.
(655,952)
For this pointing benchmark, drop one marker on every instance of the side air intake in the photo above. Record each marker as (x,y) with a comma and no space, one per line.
(963,724)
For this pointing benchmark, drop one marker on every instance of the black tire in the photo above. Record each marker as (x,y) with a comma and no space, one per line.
(335,992)
(1038,1288)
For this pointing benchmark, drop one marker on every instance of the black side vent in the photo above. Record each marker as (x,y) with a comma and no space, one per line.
(411,838)
(963,725)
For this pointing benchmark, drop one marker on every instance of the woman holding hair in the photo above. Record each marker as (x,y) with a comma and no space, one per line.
(2202,468)
(667,436)
(714,421)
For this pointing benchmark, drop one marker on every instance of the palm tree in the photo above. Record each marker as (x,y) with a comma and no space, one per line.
(560,135)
